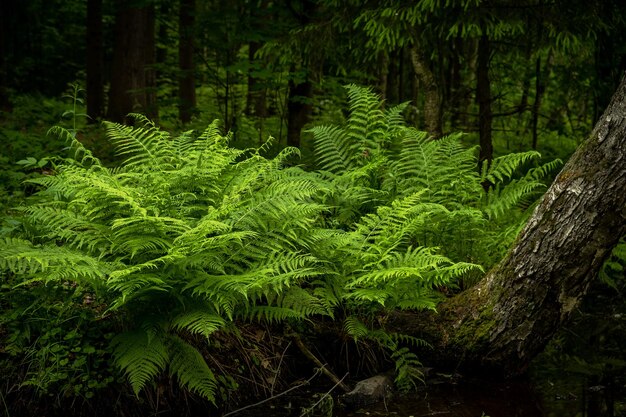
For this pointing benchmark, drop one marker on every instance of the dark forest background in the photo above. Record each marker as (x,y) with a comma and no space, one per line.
(509,76)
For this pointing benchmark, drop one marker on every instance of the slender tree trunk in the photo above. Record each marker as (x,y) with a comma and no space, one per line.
(432,103)
(483,96)
(132,76)
(4,13)
(256,101)
(507,318)
(540,88)
(383,74)
(298,109)
(393,78)
(401,75)
(186,82)
(162,41)
(95,75)
(455,81)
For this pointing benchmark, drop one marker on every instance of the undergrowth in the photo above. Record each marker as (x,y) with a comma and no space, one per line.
(134,269)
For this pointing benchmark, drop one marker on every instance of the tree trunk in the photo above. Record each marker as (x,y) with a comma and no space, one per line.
(95,75)
(256,101)
(133,79)
(540,88)
(186,82)
(455,89)
(393,76)
(483,96)
(504,321)
(4,99)
(383,74)
(298,109)
(432,103)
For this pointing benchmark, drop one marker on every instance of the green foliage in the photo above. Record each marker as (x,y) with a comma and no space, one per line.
(51,331)
(407,366)
(390,174)
(188,234)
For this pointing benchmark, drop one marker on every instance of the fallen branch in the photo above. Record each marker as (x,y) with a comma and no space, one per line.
(317,372)
(320,365)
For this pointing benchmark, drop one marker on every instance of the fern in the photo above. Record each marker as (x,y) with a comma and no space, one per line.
(188,234)
(190,368)
(185,229)
(140,356)
(403,162)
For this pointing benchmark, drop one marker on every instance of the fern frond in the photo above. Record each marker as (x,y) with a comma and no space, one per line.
(190,368)
(198,321)
(504,167)
(408,369)
(141,356)
(82,155)
(355,328)
(331,148)
(145,147)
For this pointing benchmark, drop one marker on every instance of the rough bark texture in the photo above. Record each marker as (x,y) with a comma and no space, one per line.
(503,322)
(133,77)
(432,103)
(95,75)
(186,82)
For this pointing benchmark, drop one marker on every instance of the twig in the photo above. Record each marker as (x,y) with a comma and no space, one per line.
(326,394)
(317,372)
(312,357)
(278,369)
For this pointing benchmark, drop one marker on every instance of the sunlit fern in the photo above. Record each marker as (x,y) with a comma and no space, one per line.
(183,236)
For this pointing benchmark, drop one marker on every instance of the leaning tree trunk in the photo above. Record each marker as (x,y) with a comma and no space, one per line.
(507,319)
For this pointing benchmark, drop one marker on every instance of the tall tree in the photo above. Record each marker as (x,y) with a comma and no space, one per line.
(133,79)
(95,75)
(186,82)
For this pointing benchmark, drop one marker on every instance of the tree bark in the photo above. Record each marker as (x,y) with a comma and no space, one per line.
(298,109)
(393,78)
(504,321)
(455,89)
(4,99)
(383,74)
(133,82)
(186,82)
(256,100)
(483,96)
(432,103)
(541,80)
(95,61)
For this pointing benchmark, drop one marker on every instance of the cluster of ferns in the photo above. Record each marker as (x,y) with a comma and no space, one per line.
(189,236)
